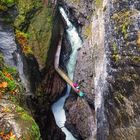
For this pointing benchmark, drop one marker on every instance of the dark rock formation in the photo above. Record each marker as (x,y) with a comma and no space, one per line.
(123,80)
(108,63)
(17,122)
(80,112)
(45,93)
(107,69)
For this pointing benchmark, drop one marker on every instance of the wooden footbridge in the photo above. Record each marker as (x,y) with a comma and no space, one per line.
(60,71)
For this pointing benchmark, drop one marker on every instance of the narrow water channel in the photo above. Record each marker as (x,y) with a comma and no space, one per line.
(58,107)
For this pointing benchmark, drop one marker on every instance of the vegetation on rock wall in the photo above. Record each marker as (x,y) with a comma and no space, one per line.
(26,8)
(22,39)
(7,3)
(15,122)
(98,3)
(8,80)
(35,20)
(40,31)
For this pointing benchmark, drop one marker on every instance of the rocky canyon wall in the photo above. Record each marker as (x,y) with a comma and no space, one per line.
(107,70)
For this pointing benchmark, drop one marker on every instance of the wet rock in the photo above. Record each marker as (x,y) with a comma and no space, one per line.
(81,117)
(54,133)
(52,86)
(17,122)
(42,85)
(119,102)
(112,58)
(79,10)
(80,14)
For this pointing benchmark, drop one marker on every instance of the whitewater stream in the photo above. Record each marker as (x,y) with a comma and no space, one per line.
(58,107)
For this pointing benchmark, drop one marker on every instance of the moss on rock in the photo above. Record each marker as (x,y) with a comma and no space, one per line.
(19,121)
(37,21)
(25,7)
(15,122)
(40,31)
(88,31)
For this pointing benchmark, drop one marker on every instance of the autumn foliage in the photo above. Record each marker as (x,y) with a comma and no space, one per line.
(8,84)
(22,39)
(7,135)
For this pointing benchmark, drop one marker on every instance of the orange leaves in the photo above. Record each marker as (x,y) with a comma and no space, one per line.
(5,109)
(22,39)
(14,91)
(7,83)
(3,85)
(7,136)
(8,75)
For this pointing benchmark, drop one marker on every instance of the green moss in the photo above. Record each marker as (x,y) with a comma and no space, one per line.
(40,31)
(36,20)
(26,117)
(124,29)
(98,3)
(136,59)
(8,3)
(88,31)
(25,7)
(116,57)
(3,7)
(119,98)
(35,132)
(31,128)
(122,21)
(115,50)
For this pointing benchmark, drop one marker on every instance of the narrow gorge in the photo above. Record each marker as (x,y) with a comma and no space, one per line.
(69,69)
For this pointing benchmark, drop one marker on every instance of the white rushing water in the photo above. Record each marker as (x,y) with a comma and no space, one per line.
(57,107)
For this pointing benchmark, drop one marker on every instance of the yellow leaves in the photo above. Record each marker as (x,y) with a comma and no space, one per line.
(3,8)
(5,109)
(7,136)
(22,39)
(12,136)
(14,91)
(8,75)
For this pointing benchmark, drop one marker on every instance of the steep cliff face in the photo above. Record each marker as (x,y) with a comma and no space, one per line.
(15,122)
(33,26)
(107,67)
(36,19)
(38,24)
(122,46)
(77,109)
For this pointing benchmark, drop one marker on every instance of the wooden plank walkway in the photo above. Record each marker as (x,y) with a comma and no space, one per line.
(65,77)
(59,71)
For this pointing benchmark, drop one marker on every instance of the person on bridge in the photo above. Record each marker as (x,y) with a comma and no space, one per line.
(80,93)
